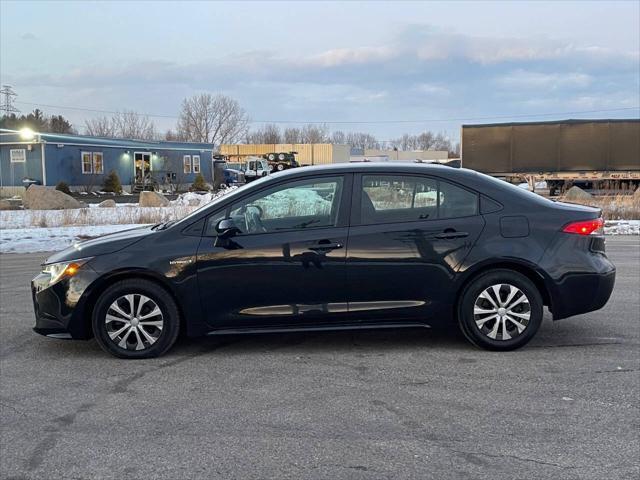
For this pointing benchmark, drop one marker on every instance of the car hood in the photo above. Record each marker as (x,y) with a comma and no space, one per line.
(101,245)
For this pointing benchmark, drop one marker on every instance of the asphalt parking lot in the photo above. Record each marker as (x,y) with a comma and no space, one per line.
(404,404)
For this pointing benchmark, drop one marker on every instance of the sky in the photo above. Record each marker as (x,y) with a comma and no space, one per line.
(380,67)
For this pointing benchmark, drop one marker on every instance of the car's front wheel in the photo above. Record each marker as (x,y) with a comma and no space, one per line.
(500,310)
(136,319)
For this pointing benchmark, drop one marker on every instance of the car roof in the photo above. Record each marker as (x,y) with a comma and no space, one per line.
(391,167)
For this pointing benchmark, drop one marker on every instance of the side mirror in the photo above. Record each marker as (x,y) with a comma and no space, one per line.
(227,228)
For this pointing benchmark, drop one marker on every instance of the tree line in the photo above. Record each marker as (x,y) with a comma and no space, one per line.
(38,122)
(219,119)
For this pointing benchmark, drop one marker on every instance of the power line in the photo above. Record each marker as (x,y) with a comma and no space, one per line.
(356,122)
(94,110)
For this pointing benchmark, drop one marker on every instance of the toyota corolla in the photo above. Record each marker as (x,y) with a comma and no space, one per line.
(353,246)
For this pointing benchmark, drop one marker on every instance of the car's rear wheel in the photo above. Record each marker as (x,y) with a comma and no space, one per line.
(136,319)
(500,310)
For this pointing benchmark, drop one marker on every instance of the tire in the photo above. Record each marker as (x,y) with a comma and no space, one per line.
(280,167)
(281,157)
(271,167)
(271,157)
(155,332)
(494,323)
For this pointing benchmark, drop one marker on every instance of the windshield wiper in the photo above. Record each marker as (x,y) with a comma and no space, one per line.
(163,225)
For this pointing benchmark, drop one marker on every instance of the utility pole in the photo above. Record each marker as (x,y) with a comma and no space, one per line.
(8,96)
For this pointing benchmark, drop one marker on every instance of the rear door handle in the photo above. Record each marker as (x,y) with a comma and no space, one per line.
(322,247)
(448,235)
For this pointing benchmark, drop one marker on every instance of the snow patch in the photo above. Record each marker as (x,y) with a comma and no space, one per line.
(29,240)
(622,227)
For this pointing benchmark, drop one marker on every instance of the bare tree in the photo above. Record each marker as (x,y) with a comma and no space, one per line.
(212,119)
(406,142)
(99,127)
(423,141)
(338,137)
(270,133)
(362,140)
(126,124)
(441,142)
(129,124)
(314,133)
(292,135)
(171,136)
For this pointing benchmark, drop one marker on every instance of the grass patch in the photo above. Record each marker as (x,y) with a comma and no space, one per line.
(615,207)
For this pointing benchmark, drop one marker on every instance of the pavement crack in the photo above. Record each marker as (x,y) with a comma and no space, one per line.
(618,370)
(11,407)
(41,450)
(515,457)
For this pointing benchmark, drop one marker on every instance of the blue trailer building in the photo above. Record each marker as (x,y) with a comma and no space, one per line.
(83,162)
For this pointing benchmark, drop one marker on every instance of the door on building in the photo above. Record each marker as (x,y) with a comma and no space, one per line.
(142,165)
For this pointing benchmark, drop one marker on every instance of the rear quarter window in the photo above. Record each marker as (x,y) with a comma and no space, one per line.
(455,201)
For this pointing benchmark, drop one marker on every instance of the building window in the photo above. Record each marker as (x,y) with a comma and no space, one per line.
(196,164)
(87,164)
(18,155)
(98,164)
(186,162)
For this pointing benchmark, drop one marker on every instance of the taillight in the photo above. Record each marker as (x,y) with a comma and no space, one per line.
(586,227)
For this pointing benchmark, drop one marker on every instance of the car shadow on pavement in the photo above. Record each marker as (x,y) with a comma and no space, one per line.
(401,340)
(384,340)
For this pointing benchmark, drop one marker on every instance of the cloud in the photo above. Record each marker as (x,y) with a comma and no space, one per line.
(28,36)
(419,73)
(350,56)
(524,79)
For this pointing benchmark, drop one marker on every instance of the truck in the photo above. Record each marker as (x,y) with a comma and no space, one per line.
(593,154)
(246,171)
(279,161)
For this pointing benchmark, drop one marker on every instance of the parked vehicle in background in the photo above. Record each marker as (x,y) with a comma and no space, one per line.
(281,161)
(244,172)
(255,168)
(233,177)
(348,246)
(593,154)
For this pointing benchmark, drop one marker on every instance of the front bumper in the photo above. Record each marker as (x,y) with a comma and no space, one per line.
(60,308)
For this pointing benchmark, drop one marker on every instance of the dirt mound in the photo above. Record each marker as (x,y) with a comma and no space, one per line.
(576,194)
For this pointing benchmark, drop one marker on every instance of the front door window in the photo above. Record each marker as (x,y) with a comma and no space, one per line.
(297,205)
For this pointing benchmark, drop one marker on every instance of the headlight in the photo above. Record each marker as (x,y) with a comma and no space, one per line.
(58,271)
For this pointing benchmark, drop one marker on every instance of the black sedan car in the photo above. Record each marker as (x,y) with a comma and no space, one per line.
(349,246)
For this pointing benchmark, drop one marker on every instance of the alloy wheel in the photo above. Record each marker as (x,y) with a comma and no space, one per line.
(134,322)
(502,312)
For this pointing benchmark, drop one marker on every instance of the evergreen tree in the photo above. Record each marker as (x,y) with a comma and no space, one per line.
(199,184)
(63,187)
(112,183)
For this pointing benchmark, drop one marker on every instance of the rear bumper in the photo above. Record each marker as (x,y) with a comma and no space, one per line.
(582,292)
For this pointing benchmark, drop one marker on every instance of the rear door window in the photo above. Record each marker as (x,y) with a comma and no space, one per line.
(398,199)
(404,198)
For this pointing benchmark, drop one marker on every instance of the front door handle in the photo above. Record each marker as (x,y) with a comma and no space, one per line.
(323,247)
(448,235)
